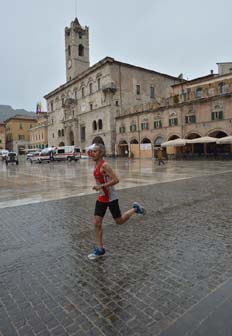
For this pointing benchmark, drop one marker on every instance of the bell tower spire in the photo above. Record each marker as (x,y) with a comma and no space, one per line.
(76,49)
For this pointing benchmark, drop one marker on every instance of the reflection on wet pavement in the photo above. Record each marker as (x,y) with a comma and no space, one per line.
(34,183)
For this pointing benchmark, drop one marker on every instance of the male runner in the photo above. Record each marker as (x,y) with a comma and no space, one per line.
(105,180)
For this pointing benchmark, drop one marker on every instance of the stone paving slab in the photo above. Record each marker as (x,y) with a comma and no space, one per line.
(156,269)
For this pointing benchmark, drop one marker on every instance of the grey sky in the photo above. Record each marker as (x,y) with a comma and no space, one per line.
(169,36)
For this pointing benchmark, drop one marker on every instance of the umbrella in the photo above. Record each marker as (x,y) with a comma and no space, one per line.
(225,140)
(205,139)
(174,143)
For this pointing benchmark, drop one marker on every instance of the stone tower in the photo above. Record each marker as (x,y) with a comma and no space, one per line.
(76,49)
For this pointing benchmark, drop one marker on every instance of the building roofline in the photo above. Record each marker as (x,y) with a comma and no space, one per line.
(21,117)
(94,67)
(209,77)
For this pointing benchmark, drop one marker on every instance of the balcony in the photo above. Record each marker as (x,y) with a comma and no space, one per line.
(109,87)
(69,102)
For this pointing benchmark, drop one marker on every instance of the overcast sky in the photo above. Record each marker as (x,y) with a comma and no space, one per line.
(169,36)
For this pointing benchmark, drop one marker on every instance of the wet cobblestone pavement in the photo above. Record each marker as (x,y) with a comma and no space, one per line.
(156,268)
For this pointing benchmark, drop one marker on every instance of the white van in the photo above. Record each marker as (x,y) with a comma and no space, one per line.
(69,153)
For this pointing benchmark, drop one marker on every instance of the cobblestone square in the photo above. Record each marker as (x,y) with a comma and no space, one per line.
(157,269)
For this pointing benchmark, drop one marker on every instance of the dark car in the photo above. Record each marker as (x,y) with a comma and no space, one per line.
(12,157)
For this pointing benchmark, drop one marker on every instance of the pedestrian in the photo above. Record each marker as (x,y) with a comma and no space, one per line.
(105,179)
(160,156)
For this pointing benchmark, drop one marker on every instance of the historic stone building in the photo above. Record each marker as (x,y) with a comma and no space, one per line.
(39,133)
(2,135)
(84,109)
(195,108)
(17,132)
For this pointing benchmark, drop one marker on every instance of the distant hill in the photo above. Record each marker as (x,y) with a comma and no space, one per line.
(6,112)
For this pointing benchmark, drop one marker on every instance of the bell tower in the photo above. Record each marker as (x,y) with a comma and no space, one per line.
(76,49)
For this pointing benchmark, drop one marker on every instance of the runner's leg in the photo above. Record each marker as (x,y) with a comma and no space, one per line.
(98,230)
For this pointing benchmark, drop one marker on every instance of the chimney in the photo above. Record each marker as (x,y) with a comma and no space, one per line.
(211,72)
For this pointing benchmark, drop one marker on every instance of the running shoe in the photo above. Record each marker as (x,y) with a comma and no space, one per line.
(139,209)
(97,253)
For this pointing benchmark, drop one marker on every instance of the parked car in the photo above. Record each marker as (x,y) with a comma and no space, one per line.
(31,154)
(12,157)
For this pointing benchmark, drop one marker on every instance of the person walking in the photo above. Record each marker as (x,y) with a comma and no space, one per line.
(160,156)
(105,179)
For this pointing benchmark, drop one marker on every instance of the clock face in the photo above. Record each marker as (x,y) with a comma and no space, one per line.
(69,63)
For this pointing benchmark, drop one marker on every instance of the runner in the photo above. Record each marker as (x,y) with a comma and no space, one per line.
(105,181)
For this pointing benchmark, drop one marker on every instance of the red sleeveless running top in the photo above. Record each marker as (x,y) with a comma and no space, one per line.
(105,194)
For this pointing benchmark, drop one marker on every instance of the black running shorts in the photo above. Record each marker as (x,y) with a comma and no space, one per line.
(101,207)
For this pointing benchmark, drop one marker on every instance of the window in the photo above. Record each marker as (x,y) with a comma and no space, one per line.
(116,103)
(21,137)
(21,126)
(75,94)
(152,92)
(157,124)
(62,132)
(80,36)
(217,115)
(133,127)
(99,83)
(144,125)
(91,88)
(198,93)
(122,129)
(83,91)
(222,88)
(100,124)
(138,89)
(59,133)
(91,106)
(173,122)
(53,135)
(80,50)
(190,119)
(94,125)
(82,133)
(52,106)
(69,51)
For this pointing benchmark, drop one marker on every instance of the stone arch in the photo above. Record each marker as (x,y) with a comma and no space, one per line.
(98,140)
(193,135)
(145,141)
(61,144)
(173,137)
(134,141)
(217,134)
(123,148)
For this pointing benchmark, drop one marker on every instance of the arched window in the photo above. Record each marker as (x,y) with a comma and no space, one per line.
(94,125)
(59,133)
(100,124)
(62,132)
(80,50)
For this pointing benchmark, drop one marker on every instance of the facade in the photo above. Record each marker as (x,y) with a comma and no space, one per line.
(84,109)
(17,132)
(38,135)
(196,108)
(2,135)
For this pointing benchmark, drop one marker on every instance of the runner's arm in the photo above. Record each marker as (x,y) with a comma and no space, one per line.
(107,170)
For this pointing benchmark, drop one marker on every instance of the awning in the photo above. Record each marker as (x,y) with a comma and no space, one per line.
(205,139)
(225,140)
(174,143)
